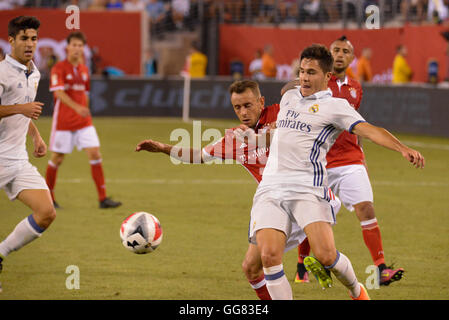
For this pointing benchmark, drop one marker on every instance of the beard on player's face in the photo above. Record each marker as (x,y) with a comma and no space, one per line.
(339,70)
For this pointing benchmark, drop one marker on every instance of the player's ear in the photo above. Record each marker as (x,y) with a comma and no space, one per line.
(262,101)
(11,40)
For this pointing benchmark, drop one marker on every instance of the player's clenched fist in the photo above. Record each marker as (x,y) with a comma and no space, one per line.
(32,110)
(150,146)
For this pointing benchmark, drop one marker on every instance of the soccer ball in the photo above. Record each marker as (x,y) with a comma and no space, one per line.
(141,232)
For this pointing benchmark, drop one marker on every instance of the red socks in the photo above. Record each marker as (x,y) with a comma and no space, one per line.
(260,286)
(98,176)
(303,250)
(50,177)
(373,240)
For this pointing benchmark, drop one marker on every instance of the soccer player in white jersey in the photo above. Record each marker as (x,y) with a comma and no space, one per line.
(19,79)
(294,182)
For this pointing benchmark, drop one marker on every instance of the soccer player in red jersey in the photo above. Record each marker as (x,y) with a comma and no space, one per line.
(347,169)
(249,107)
(72,122)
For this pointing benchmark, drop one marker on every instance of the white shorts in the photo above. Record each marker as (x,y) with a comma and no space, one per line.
(63,141)
(351,184)
(289,216)
(21,176)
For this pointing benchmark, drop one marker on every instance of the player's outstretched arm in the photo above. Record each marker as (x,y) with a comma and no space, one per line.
(40,148)
(384,138)
(187,155)
(31,110)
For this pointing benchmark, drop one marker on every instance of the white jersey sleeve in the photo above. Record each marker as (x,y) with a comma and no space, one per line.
(2,82)
(344,116)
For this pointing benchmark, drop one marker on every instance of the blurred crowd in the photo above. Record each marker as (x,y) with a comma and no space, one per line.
(173,15)
(179,13)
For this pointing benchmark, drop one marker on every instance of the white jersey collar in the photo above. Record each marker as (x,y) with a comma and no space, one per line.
(317,95)
(17,64)
(341,83)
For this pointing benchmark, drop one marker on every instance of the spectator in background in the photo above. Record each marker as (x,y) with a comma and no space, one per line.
(134,5)
(82,4)
(288,10)
(416,5)
(157,14)
(150,63)
(255,67)
(234,10)
(196,62)
(364,71)
(180,10)
(402,73)
(11,4)
(309,10)
(437,10)
(268,62)
(114,5)
(331,7)
(97,5)
(266,11)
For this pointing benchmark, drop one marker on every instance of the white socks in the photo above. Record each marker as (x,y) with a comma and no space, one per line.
(26,231)
(277,283)
(343,271)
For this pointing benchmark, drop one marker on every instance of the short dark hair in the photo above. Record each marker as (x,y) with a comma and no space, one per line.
(22,23)
(240,86)
(77,35)
(321,54)
(344,38)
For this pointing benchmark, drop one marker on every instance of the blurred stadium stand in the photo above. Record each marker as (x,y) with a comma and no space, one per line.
(231,31)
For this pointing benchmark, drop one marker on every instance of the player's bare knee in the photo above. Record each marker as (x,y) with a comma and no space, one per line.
(365,211)
(270,258)
(326,256)
(57,159)
(250,269)
(45,215)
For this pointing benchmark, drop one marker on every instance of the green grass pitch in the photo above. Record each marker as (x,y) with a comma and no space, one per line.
(204,212)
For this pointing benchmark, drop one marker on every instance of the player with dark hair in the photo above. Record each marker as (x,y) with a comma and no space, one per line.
(19,79)
(294,184)
(347,169)
(72,122)
(248,104)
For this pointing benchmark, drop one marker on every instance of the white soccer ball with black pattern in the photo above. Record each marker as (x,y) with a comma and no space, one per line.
(141,232)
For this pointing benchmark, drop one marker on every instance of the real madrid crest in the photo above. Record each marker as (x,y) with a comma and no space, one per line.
(314,109)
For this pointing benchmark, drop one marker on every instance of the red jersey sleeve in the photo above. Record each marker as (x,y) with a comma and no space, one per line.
(57,78)
(222,149)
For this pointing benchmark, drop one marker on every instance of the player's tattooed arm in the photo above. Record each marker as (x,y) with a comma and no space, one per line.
(184,154)
(385,139)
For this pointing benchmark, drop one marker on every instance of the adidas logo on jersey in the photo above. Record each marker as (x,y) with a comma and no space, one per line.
(19,86)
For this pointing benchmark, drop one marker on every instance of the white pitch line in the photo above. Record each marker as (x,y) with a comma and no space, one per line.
(241,181)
